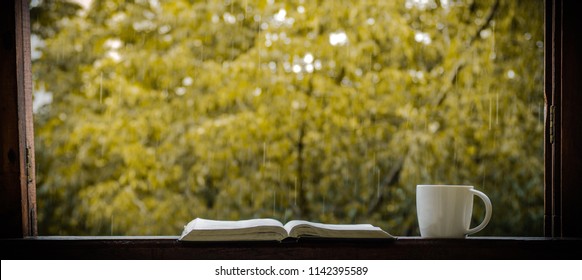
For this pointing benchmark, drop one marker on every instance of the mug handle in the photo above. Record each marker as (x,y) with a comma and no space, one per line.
(488,209)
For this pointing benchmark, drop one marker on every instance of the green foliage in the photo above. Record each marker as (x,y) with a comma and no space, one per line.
(332,111)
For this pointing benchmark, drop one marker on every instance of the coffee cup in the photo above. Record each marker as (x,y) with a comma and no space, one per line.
(445,211)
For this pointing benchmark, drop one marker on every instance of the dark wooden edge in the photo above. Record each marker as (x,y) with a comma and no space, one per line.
(549,127)
(10,195)
(402,248)
(570,120)
(26,120)
(17,184)
(563,94)
(555,68)
(18,194)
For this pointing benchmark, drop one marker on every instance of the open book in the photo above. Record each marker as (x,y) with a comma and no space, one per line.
(270,229)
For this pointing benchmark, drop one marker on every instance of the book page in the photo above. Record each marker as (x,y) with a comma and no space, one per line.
(291,224)
(205,224)
(219,230)
(298,228)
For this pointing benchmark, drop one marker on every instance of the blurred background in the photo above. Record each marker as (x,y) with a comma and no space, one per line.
(150,113)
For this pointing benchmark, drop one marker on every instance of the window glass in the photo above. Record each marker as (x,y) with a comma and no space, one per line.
(151,113)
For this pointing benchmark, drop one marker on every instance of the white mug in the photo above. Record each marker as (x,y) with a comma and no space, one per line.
(444,211)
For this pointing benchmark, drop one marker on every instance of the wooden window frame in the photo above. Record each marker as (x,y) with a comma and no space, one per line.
(563,176)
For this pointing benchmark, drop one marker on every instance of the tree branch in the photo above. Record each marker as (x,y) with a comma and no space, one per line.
(451,81)
(390,180)
(302,209)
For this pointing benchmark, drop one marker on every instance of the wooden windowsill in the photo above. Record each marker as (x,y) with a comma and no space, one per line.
(167,247)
